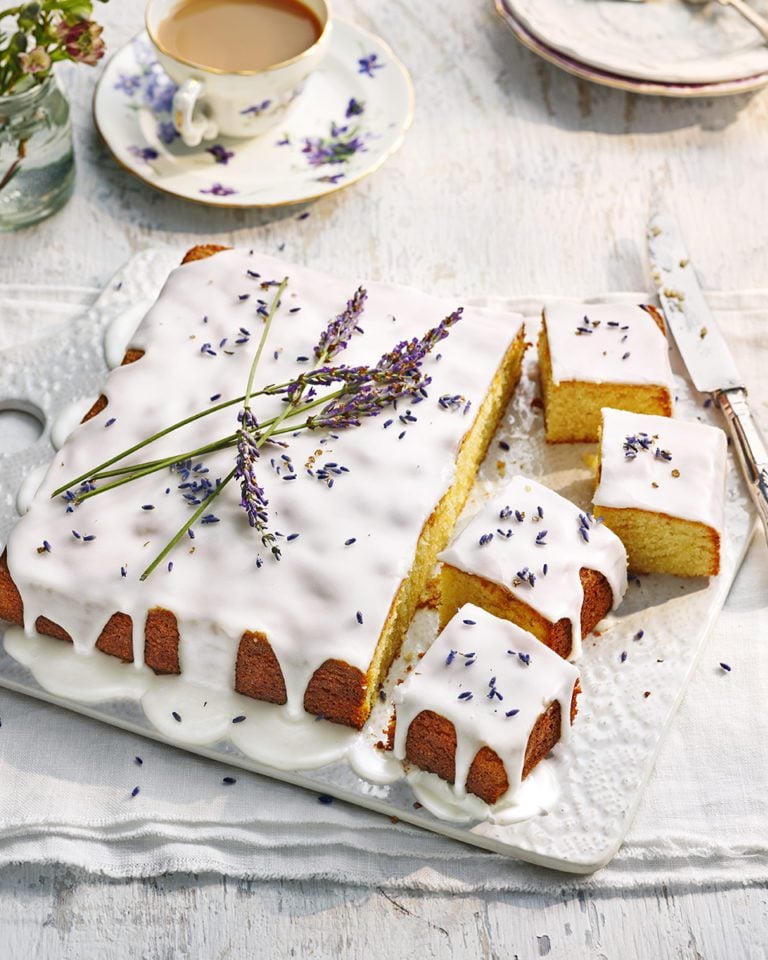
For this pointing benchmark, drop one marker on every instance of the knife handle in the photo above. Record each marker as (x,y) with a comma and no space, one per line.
(750,446)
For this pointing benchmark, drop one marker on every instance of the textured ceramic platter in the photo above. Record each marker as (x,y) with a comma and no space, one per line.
(351,117)
(606,79)
(666,41)
(627,703)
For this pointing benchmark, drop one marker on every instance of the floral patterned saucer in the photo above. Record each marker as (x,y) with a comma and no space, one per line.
(351,117)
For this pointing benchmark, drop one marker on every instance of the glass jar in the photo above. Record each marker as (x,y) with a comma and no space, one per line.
(37,162)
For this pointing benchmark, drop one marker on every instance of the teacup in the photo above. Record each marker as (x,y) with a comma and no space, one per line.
(243,103)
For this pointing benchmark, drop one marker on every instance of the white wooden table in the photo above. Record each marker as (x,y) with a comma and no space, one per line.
(514,179)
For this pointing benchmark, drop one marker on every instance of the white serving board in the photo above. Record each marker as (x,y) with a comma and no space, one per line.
(601,772)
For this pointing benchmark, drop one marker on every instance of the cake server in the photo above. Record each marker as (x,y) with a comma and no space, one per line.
(705,352)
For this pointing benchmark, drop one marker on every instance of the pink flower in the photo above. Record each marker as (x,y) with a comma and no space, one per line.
(35,61)
(82,41)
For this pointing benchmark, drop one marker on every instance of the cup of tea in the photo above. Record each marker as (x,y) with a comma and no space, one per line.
(239,64)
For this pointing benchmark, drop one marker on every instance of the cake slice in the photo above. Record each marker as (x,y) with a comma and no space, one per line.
(601,355)
(359,514)
(485,704)
(661,488)
(532,557)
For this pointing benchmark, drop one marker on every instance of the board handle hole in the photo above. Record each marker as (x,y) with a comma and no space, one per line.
(21,425)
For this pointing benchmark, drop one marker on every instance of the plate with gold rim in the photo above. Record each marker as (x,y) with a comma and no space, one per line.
(352,116)
(663,42)
(617,81)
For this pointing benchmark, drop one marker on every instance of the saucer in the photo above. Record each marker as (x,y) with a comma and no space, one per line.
(664,41)
(621,82)
(351,117)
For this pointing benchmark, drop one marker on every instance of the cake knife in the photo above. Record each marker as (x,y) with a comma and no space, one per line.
(705,352)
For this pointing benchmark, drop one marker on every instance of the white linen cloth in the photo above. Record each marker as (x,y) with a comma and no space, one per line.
(66,781)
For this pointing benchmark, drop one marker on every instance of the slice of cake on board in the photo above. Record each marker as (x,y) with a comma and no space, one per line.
(356,514)
(601,355)
(484,705)
(661,488)
(532,557)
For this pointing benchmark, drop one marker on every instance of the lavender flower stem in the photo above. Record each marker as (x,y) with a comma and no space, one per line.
(193,519)
(245,399)
(262,341)
(214,447)
(127,474)
(155,436)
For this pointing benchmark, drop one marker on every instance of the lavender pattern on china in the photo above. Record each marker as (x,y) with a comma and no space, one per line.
(150,87)
(144,154)
(219,190)
(220,153)
(355,108)
(367,65)
(341,144)
(256,109)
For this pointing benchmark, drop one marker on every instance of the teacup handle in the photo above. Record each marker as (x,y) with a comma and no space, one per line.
(193,126)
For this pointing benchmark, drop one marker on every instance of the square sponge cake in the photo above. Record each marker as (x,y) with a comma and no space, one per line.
(534,558)
(359,513)
(484,705)
(661,488)
(601,355)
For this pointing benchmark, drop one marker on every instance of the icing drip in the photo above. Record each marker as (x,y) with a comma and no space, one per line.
(118,335)
(69,418)
(673,467)
(528,526)
(29,487)
(537,795)
(606,343)
(475,675)
(306,604)
(266,734)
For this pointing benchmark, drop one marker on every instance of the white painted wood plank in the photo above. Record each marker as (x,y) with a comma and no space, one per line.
(48,912)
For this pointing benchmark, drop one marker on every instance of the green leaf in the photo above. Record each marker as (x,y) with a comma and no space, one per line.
(79,9)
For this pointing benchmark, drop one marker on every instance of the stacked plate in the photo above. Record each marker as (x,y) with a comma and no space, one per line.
(670,48)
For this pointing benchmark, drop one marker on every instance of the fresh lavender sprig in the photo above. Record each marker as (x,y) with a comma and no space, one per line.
(333,340)
(363,392)
(404,360)
(396,375)
(246,411)
(253,499)
(339,331)
(368,400)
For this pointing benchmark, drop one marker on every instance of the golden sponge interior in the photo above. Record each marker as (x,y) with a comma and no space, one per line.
(439,527)
(572,407)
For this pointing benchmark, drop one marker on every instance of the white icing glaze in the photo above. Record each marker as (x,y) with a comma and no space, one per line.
(626,346)
(698,452)
(267,734)
(373,764)
(120,330)
(67,419)
(476,654)
(29,487)
(307,603)
(537,795)
(564,550)
(55,666)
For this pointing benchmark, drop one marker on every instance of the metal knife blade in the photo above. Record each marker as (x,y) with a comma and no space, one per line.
(698,338)
(706,353)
